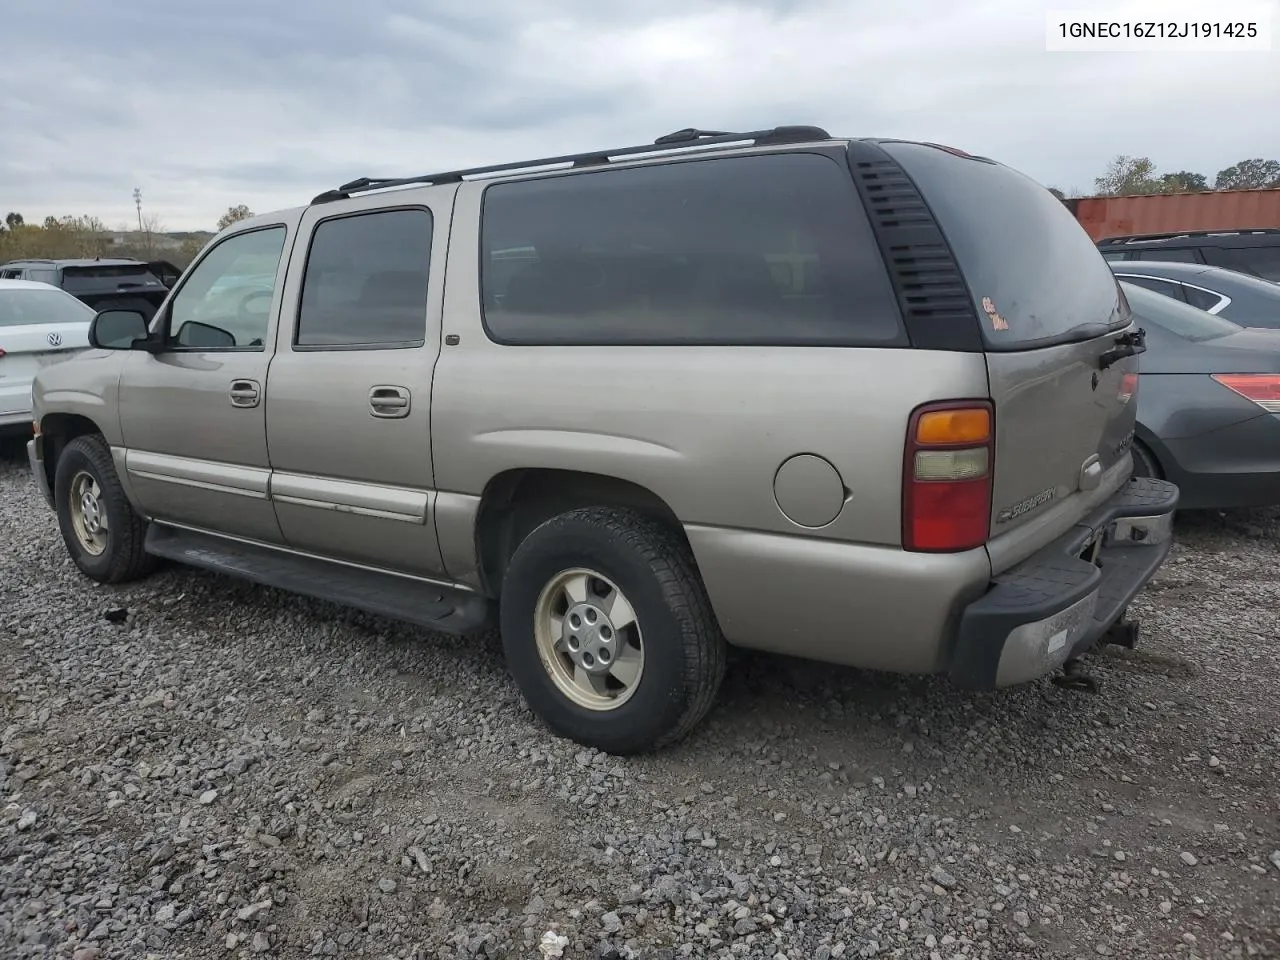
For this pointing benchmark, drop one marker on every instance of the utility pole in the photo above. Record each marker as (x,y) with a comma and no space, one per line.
(137,202)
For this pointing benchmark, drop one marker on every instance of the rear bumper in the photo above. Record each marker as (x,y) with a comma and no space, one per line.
(1055,604)
(35,456)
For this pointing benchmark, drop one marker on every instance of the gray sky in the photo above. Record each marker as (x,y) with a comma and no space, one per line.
(209,103)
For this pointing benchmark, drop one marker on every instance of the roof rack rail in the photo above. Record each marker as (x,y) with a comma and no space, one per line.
(1188,233)
(679,140)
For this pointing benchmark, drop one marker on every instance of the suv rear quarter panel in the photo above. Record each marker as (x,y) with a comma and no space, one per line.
(706,429)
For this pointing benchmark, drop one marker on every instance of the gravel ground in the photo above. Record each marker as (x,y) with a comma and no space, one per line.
(235,772)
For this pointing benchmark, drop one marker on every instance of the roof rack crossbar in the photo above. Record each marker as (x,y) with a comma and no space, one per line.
(677,141)
(1188,233)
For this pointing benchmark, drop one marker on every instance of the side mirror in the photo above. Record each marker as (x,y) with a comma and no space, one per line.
(117,329)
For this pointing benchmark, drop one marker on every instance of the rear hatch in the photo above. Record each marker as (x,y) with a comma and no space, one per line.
(1050,309)
(38,327)
(111,283)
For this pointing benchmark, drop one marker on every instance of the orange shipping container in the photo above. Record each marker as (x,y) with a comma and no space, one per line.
(1106,217)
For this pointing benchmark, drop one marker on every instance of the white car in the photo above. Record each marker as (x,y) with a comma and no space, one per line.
(40,324)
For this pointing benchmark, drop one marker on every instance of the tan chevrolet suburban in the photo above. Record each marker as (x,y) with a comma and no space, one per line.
(863,401)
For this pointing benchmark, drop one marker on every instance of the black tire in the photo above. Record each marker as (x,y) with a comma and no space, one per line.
(123,559)
(684,650)
(1144,462)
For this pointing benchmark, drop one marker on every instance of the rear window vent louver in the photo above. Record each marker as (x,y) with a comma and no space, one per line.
(936,304)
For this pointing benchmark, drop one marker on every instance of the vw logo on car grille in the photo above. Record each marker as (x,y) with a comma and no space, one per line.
(55,339)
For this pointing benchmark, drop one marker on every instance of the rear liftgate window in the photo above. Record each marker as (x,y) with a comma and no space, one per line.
(109,277)
(1035,275)
(742,250)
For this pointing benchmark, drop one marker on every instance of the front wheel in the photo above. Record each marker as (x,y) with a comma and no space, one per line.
(608,630)
(102,532)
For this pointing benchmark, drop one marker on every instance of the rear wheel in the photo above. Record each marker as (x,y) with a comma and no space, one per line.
(608,630)
(102,532)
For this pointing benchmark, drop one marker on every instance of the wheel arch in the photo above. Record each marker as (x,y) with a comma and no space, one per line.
(56,431)
(1150,445)
(516,501)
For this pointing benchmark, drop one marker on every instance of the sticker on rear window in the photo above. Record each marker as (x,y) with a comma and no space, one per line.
(997,322)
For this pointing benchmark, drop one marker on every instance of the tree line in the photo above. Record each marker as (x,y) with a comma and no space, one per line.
(59,238)
(1127,176)
(63,238)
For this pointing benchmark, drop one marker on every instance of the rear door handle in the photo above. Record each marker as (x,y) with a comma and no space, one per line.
(389,402)
(245,393)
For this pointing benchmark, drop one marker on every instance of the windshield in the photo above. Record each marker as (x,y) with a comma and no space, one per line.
(1035,275)
(18,307)
(1179,319)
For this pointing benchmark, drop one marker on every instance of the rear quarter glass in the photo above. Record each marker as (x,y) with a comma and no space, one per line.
(766,249)
(1032,270)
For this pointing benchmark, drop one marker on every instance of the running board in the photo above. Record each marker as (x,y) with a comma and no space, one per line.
(426,604)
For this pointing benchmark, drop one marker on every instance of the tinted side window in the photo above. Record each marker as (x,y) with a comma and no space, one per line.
(1165,287)
(366,281)
(1260,261)
(737,250)
(1175,254)
(1201,299)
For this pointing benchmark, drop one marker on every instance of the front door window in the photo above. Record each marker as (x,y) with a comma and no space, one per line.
(226,301)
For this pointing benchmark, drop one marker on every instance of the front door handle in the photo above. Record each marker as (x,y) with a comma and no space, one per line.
(389,402)
(245,393)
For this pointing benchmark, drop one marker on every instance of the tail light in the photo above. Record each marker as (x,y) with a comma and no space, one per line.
(1262,388)
(946,481)
(1,351)
(1128,387)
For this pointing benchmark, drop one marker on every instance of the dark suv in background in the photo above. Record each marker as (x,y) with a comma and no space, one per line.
(1256,252)
(122,284)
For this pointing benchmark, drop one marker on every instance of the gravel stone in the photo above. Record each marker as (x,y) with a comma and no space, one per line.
(346,758)
(942,878)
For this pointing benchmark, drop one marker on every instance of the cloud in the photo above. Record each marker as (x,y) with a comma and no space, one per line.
(267,102)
